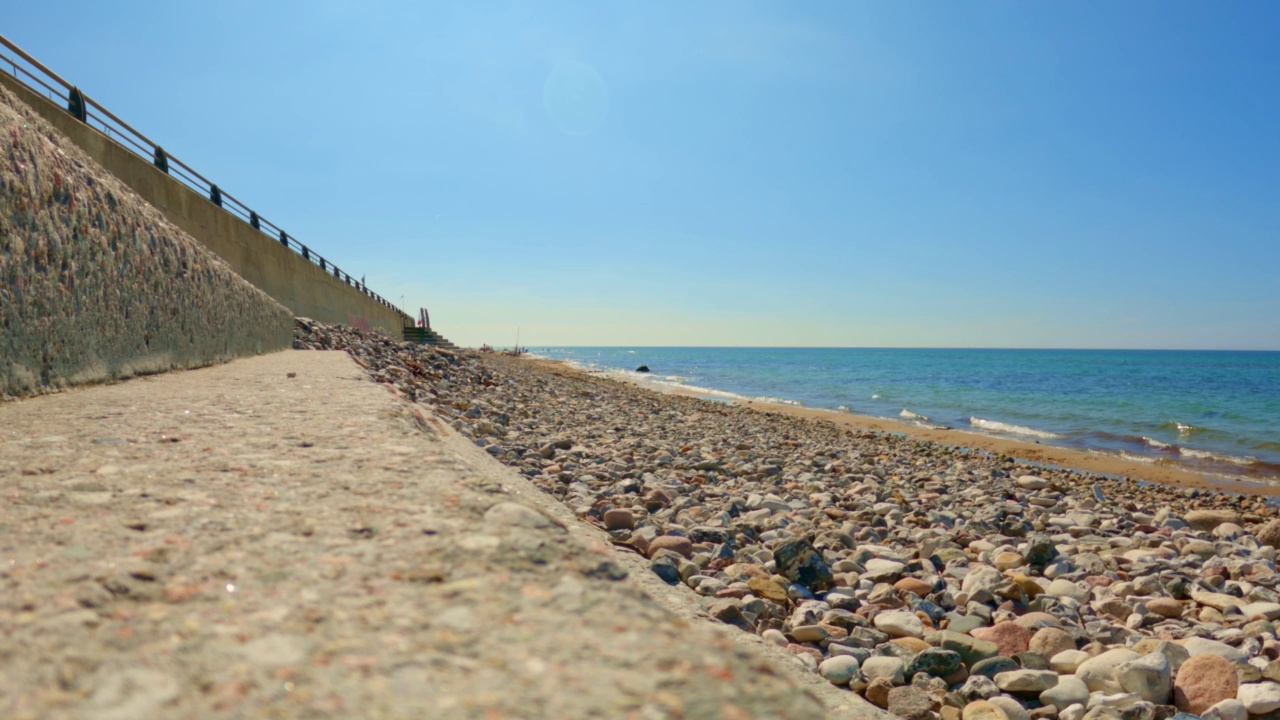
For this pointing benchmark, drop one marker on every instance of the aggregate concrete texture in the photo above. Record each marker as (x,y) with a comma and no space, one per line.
(96,285)
(294,282)
(281,537)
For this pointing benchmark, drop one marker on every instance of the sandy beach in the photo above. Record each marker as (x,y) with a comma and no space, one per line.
(1157,471)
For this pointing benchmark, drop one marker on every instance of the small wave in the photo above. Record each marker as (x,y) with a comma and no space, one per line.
(649,380)
(875,397)
(1206,455)
(1006,428)
(676,378)
(1137,458)
(1156,443)
(910,415)
(843,408)
(779,401)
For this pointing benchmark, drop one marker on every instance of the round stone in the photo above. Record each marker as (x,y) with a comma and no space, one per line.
(775,637)
(618,519)
(934,662)
(880,666)
(1203,681)
(982,710)
(1009,636)
(1008,560)
(1032,482)
(1067,661)
(675,543)
(913,585)
(1012,708)
(899,623)
(1050,641)
(839,670)
(809,633)
(1165,607)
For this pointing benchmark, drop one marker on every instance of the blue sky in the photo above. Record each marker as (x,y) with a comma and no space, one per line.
(998,174)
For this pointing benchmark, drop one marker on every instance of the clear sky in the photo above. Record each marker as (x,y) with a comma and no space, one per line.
(1001,174)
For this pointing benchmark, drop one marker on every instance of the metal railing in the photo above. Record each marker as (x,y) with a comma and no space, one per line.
(40,79)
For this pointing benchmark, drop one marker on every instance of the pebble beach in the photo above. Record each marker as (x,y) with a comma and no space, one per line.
(934,581)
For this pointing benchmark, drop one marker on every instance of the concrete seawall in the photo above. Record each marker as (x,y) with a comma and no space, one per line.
(97,285)
(293,281)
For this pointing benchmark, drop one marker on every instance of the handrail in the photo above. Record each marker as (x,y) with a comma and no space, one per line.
(85,109)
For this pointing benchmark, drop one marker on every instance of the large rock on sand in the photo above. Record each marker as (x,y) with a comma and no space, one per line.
(1203,681)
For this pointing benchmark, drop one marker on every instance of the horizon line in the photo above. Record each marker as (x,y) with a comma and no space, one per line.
(897,347)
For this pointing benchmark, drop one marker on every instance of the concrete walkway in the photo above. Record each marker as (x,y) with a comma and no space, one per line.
(279,537)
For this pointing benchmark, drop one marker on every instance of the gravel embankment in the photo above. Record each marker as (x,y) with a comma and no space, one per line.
(934,581)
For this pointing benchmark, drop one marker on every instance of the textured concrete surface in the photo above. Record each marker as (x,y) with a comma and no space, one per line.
(298,284)
(96,285)
(281,537)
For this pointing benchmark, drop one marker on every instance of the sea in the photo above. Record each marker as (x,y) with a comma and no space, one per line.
(1214,412)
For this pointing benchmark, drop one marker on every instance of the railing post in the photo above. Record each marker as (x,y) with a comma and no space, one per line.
(284,238)
(161,160)
(306,254)
(215,195)
(76,106)
(322,263)
(253,220)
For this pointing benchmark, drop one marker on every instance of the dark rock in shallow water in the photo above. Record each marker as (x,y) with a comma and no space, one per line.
(643,368)
(799,562)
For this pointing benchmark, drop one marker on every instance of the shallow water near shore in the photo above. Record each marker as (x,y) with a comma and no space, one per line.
(1216,412)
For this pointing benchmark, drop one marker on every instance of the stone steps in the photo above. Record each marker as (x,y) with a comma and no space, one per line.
(427,336)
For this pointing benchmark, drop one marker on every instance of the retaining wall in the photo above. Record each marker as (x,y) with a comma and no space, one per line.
(295,282)
(95,284)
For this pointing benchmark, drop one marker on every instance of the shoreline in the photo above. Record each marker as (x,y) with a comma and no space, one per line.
(849,550)
(1028,451)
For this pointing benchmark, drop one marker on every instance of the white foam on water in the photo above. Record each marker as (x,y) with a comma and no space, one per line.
(1137,458)
(647,379)
(1008,429)
(1156,443)
(1206,455)
(910,415)
(875,396)
(779,401)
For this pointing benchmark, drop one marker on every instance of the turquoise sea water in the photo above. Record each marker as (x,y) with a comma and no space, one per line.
(1218,412)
